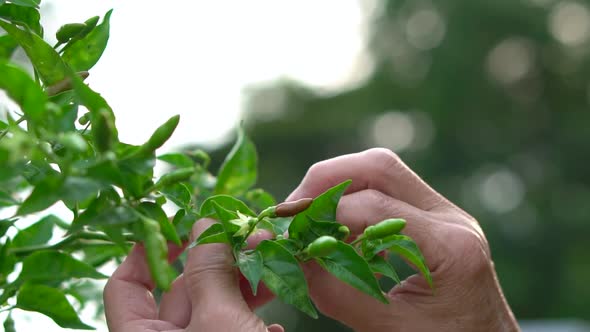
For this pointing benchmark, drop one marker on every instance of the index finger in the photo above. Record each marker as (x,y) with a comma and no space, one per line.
(379,169)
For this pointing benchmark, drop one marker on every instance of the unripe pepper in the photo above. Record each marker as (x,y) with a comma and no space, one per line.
(74,141)
(156,250)
(322,246)
(91,22)
(345,231)
(175,176)
(69,31)
(159,137)
(102,131)
(384,228)
(84,119)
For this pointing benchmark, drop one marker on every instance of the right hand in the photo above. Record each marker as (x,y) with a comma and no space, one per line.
(467,295)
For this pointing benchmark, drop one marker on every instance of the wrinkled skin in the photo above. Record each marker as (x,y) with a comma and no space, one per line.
(209,297)
(468,296)
(206,297)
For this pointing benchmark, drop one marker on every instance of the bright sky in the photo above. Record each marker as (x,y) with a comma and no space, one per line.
(195,58)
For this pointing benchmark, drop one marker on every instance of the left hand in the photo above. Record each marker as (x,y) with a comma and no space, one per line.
(206,297)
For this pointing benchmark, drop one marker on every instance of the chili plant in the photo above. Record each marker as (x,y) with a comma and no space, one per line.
(69,153)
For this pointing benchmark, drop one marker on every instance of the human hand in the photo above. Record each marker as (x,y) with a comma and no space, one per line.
(467,295)
(206,297)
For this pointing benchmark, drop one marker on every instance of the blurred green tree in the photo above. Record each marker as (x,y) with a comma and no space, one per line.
(488,101)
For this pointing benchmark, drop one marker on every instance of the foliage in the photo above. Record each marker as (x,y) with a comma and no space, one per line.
(69,153)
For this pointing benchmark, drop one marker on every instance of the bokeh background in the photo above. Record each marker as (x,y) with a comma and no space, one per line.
(487,100)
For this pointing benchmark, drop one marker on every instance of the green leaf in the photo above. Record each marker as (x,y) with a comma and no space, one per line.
(260,199)
(52,303)
(105,211)
(183,222)
(49,266)
(283,276)
(276,225)
(53,188)
(405,247)
(7,47)
(291,245)
(93,101)
(49,64)
(379,265)
(214,234)
(37,170)
(226,217)
(97,256)
(251,266)
(9,324)
(85,53)
(7,262)
(79,189)
(26,3)
(178,193)
(7,199)
(27,16)
(154,211)
(36,234)
(45,194)
(179,160)
(227,202)
(315,229)
(64,119)
(238,172)
(346,264)
(5,224)
(23,90)
(322,208)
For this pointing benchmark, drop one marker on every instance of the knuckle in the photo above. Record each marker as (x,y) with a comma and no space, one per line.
(380,203)
(472,252)
(383,156)
(317,170)
(384,161)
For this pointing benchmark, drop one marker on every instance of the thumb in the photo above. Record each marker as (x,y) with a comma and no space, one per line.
(211,279)
(210,276)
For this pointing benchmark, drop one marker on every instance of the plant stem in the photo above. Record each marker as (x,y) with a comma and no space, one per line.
(357,240)
(259,218)
(68,241)
(21,119)
(7,309)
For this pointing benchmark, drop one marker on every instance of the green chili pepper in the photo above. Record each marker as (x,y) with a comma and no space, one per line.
(90,25)
(345,231)
(84,119)
(175,176)
(102,131)
(46,148)
(69,31)
(385,228)
(159,137)
(156,251)
(321,247)
(74,141)
(91,22)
